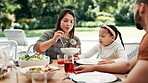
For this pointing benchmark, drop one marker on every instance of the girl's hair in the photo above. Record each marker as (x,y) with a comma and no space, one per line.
(61,16)
(142,1)
(116,32)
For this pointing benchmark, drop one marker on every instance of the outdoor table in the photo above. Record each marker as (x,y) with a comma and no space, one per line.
(58,76)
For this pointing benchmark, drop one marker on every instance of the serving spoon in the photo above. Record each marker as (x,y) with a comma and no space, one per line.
(31,56)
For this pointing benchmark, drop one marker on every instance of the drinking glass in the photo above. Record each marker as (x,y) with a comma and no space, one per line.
(39,77)
(2,63)
(60,60)
(2,59)
(68,64)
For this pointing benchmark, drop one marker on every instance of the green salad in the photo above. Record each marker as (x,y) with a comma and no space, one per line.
(34,58)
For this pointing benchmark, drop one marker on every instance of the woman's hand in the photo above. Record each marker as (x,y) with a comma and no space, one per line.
(84,68)
(58,35)
(106,61)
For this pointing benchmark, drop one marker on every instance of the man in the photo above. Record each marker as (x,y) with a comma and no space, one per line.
(137,68)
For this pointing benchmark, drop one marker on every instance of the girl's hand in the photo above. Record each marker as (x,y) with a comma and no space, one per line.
(106,61)
(58,35)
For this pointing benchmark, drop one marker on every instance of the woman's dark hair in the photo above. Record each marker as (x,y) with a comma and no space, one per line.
(116,32)
(142,1)
(61,16)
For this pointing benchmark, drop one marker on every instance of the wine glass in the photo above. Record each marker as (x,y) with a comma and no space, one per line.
(9,50)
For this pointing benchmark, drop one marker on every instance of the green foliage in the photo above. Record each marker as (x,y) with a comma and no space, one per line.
(7,20)
(88,23)
(46,11)
(108,5)
(17,26)
(24,20)
(29,23)
(104,19)
(124,15)
(10,6)
(45,26)
(25,26)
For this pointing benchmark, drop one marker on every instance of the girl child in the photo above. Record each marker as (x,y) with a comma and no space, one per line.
(108,49)
(51,41)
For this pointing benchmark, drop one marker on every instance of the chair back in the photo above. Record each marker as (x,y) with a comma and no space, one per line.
(18,35)
(131,49)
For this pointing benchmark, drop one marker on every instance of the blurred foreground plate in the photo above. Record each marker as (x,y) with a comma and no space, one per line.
(4,73)
(88,61)
(94,77)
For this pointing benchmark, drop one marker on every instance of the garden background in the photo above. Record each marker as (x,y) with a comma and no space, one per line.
(36,16)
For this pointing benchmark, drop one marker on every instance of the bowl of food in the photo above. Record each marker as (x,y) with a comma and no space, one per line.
(40,70)
(37,59)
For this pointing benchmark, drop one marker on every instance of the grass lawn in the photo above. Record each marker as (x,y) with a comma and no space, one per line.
(127,32)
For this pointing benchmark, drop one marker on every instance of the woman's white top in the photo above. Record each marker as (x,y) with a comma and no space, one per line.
(114,51)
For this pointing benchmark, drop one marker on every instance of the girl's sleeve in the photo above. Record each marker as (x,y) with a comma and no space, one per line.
(122,55)
(90,53)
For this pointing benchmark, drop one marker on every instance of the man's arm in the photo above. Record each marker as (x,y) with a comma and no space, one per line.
(139,74)
(123,67)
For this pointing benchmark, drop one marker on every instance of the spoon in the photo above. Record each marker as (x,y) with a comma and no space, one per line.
(62,42)
(31,56)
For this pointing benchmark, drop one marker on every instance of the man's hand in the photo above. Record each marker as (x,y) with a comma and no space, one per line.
(84,68)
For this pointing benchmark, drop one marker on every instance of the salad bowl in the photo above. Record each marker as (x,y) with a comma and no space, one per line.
(39,70)
(36,60)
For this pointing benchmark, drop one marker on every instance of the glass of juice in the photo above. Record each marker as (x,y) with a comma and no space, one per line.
(68,64)
(60,60)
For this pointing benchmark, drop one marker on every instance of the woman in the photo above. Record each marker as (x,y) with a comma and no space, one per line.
(51,41)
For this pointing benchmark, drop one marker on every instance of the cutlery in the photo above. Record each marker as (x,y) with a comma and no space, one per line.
(62,42)
(31,56)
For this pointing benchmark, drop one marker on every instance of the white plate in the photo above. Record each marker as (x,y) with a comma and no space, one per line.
(94,77)
(88,61)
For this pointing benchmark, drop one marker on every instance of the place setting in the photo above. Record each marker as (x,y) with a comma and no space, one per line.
(88,77)
(94,77)
(36,67)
